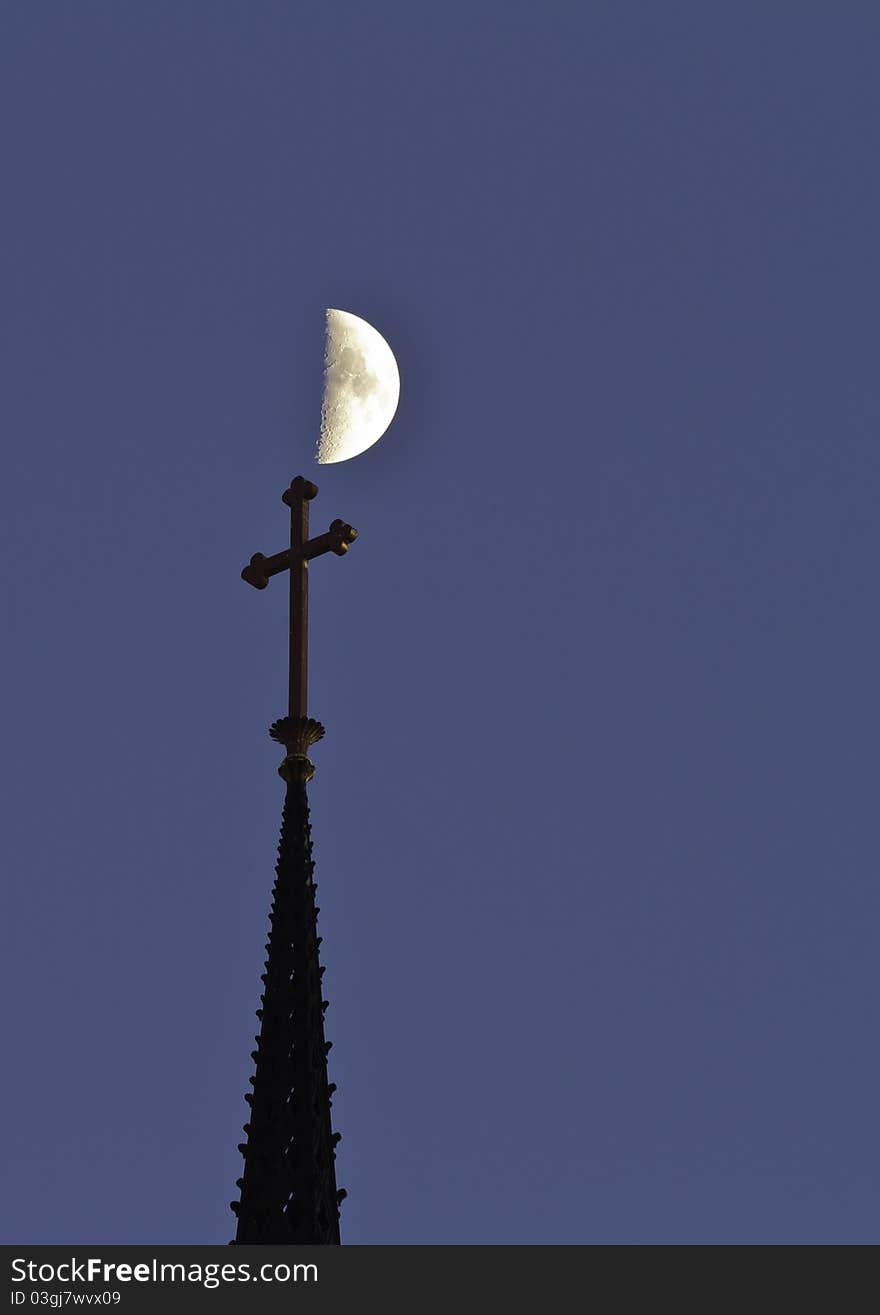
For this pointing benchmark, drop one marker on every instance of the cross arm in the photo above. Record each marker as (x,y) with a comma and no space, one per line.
(260,569)
(338,539)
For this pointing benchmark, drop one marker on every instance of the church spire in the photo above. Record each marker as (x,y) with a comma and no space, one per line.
(288,1188)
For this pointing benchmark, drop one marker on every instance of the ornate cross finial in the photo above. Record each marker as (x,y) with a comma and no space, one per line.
(297,731)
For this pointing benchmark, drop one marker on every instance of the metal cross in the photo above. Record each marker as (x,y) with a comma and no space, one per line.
(338,539)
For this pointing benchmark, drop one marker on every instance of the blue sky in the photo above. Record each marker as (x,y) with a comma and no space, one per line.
(595,819)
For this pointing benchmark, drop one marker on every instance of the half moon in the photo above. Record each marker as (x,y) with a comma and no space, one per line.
(361,388)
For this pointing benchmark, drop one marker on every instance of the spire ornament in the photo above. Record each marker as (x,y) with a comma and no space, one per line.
(297,734)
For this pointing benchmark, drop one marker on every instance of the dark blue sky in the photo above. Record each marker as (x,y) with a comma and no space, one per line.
(596,815)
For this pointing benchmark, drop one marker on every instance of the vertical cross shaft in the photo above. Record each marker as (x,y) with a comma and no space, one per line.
(297,498)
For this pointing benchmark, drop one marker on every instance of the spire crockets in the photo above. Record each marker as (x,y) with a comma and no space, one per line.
(288,1188)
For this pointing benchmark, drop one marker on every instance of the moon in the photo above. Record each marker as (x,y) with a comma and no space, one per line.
(361,388)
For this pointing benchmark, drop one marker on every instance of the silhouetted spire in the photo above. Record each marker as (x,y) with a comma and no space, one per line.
(288,1188)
